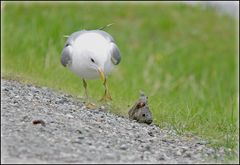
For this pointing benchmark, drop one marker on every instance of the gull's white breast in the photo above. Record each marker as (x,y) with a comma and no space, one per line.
(90,45)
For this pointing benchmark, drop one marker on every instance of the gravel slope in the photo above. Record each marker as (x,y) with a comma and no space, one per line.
(74,134)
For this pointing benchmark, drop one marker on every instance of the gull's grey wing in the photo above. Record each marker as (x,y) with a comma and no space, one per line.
(114,51)
(66,58)
(115,54)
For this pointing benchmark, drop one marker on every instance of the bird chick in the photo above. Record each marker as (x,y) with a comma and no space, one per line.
(141,111)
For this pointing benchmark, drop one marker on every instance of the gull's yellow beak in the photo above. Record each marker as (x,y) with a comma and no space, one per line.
(101,73)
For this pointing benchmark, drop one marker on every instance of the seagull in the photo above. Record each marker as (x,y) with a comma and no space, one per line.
(91,54)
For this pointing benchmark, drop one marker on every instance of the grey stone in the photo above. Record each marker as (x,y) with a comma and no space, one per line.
(178,153)
(123,147)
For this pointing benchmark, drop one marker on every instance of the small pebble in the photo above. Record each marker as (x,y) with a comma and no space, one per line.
(39,122)
(69,116)
(123,147)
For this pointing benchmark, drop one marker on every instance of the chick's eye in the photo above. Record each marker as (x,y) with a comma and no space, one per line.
(143,115)
(92,60)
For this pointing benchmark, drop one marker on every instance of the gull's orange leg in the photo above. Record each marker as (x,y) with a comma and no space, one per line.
(87,104)
(106,96)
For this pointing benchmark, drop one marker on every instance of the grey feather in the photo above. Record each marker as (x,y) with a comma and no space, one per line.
(115,54)
(66,58)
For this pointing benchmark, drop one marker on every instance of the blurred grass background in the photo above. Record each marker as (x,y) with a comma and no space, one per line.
(182,57)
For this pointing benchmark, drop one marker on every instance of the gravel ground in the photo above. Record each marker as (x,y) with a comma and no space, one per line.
(74,134)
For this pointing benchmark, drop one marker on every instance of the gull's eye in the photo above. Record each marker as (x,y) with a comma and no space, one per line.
(92,60)
(143,115)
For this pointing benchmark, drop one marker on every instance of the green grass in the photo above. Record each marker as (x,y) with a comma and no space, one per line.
(184,59)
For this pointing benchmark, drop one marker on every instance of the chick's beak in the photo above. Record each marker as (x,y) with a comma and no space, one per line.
(101,73)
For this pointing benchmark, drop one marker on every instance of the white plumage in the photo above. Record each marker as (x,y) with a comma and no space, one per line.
(91,54)
(95,46)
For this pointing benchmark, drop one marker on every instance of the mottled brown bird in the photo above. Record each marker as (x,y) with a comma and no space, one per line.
(141,111)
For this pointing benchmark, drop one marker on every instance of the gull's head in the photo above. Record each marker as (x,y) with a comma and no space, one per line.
(94,63)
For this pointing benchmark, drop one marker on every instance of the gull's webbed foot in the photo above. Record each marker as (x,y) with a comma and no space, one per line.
(90,105)
(106,97)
